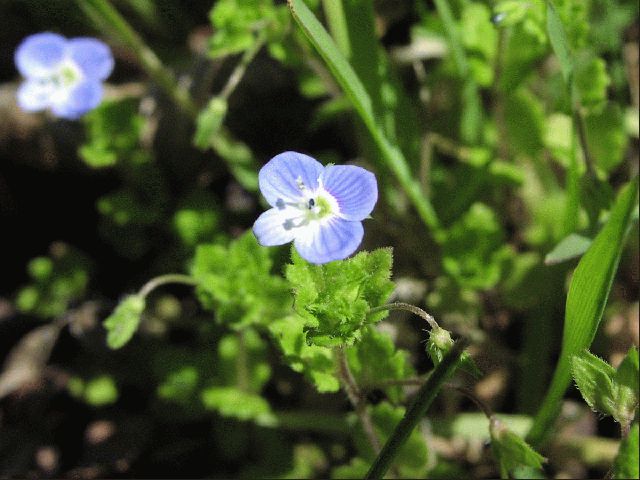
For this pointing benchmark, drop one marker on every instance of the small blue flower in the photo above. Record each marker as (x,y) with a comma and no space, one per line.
(319,208)
(63,75)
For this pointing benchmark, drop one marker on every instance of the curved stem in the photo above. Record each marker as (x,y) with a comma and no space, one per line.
(357,399)
(109,19)
(408,308)
(156,282)
(241,67)
(414,414)
(482,406)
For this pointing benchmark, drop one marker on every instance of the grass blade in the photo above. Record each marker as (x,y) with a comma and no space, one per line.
(586,300)
(361,101)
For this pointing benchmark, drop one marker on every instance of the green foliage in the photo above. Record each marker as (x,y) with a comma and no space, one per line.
(196,218)
(627,464)
(113,134)
(234,402)
(606,136)
(375,359)
(99,391)
(511,451)
(317,363)
(334,298)
(474,252)
(56,281)
(236,23)
(235,281)
(241,372)
(123,323)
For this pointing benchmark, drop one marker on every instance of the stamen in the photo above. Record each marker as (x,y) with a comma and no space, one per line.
(312,203)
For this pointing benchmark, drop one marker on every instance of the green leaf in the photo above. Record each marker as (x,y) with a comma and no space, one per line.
(590,82)
(525,122)
(558,39)
(594,378)
(235,403)
(607,137)
(196,218)
(356,468)
(315,362)
(236,282)
(570,247)
(235,23)
(124,321)
(57,280)
(627,463)
(357,94)
(375,359)
(510,450)
(101,391)
(474,252)
(334,298)
(113,132)
(628,371)
(586,300)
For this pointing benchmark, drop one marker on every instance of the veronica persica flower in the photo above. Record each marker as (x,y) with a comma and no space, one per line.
(63,75)
(319,208)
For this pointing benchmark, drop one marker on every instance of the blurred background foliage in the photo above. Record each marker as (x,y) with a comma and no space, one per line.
(227,380)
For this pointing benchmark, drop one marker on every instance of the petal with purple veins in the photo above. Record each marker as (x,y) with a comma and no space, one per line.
(283,176)
(329,240)
(276,226)
(354,188)
(39,55)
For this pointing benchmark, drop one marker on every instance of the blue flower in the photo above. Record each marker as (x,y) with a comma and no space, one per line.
(319,208)
(63,75)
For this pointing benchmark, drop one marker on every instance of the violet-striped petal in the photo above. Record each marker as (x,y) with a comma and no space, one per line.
(329,240)
(274,227)
(283,176)
(355,189)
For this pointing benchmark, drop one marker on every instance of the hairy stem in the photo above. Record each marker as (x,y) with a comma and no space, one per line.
(407,307)
(107,18)
(156,282)
(357,399)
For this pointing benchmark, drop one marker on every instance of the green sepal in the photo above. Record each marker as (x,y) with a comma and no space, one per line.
(605,389)
(124,321)
(626,381)
(439,344)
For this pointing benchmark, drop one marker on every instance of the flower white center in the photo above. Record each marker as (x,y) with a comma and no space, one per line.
(61,81)
(314,206)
